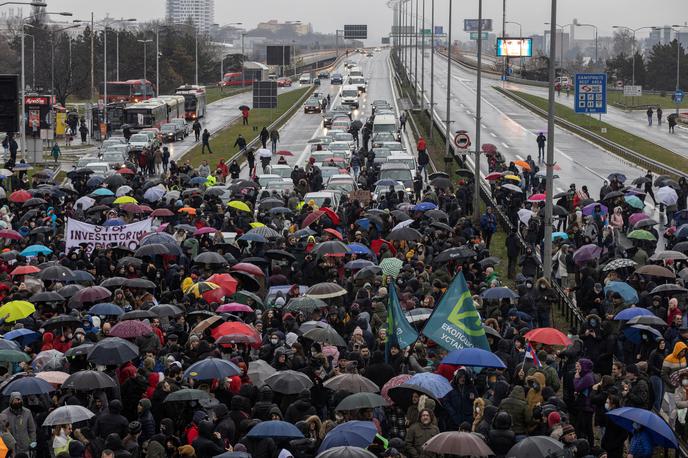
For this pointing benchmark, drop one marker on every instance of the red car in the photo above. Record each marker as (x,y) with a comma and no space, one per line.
(283,82)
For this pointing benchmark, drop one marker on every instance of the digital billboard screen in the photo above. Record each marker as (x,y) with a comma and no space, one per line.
(514,47)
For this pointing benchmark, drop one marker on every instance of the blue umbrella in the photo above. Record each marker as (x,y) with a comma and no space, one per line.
(305,232)
(253,237)
(359,248)
(435,384)
(81,275)
(628,293)
(212,368)
(682,232)
(114,222)
(27,386)
(560,235)
(198,180)
(357,264)
(634,333)
(275,429)
(352,433)
(22,336)
(102,192)
(364,223)
(659,430)
(632,312)
(95,181)
(9,345)
(617,176)
(424,206)
(475,357)
(499,293)
(35,250)
(106,308)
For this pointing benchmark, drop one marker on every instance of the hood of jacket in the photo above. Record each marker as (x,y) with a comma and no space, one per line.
(538,377)
(586,366)
(518,393)
(502,421)
(673,357)
(205,429)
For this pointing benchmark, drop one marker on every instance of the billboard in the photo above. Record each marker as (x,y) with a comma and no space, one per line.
(514,47)
(471,25)
(355,32)
(278,55)
(403,30)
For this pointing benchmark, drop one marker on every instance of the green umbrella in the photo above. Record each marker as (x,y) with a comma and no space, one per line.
(640,234)
(13,356)
(634,201)
(242,297)
(391,266)
(305,304)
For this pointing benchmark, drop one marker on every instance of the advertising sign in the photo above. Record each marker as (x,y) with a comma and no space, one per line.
(591,93)
(471,25)
(678,96)
(92,236)
(514,47)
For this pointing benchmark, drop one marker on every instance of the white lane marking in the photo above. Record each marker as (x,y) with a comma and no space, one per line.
(483,126)
(520,158)
(506,146)
(493,134)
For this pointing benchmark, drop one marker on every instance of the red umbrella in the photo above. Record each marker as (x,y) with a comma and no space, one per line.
(284,152)
(489,148)
(311,218)
(131,208)
(214,295)
(393,382)
(20,196)
(537,198)
(126,171)
(161,212)
(228,283)
(205,230)
(10,234)
(332,215)
(548,336)
(145,209)
(335,233)
(236,332)
(130,329)
(377,243)
(493,176)
(248,268)
(233,307)
(25,270)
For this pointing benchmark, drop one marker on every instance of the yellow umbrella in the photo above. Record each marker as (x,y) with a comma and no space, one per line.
(300,205)
(125,200)
(197,289)
(239,205)
(16,310)
(512,177)
(256,224)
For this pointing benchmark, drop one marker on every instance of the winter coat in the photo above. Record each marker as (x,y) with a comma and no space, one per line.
(21,426)
(261,410)
(673,363)
(582,385)
(206,444)
(417,435)
(517,407)
(301,409)
(534,396)
(459,404)
(501,437)
(111,421)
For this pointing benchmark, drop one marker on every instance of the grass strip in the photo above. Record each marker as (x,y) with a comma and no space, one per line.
(222,142)
(213,93)
(619,136)
(617,99)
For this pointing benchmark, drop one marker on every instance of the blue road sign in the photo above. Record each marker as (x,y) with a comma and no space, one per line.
(591,93)
(678,96)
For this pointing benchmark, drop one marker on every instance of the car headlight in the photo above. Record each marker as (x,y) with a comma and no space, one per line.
(408,189)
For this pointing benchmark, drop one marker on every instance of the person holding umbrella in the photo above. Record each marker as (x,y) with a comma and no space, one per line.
(244,114)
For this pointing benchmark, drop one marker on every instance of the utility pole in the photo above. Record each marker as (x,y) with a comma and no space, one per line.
(422,61)
(447,152)
(432,66)
(415,53)
(549,191)
(478,100)
(93,76)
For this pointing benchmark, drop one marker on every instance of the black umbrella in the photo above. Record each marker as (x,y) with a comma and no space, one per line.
(115,181)
(356,124)
(114,282)
(81,350)
(442,226)
(138,315)
(62,321)
(113,351)
(210,257)
(441,182)
(166,310)
(437,215)
(325,335)
(46,296)
(98,208)
(270,202)
(361,401)
(153,249)
(669,289)
(89,381)
(186,395)
(648,222)
(129,261)
(438,174)
(492,332)
(244,107)
(454,254)
(613,195)
(489,262)
(280,255)
(641,180)
(139,283)
(646,320)
(400,215)
(305,304)
(289,382)
(69,290)
(536,447)
(246,280)
(405,233)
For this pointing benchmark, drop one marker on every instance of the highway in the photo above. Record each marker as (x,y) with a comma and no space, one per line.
(513,129)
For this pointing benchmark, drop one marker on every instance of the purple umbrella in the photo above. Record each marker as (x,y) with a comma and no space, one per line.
(635,217)
(588,209)
(91,294)
(587,253)
(130,329)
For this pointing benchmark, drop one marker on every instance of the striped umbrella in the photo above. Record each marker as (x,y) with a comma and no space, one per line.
(197,289)
(391,266)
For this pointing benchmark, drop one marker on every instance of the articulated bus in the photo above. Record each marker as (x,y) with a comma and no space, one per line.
(175,105)
(194,101)
(130,91)
(151,113)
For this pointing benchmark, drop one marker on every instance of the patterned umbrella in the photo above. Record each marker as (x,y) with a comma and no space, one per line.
(130,329)
(619,263)
(326,290)
(391,266)
(353,383)
(265,231)
(197,289)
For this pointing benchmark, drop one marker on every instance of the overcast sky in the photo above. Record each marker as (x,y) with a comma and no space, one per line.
(328,15)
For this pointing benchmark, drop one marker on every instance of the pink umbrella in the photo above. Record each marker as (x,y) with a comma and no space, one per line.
(162,227)
(53,377)
(205,230)
(537,198)
(233,307)
(130,329)
(394,381)
(635,217)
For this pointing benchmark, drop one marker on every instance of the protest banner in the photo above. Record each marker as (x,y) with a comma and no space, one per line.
(89,236)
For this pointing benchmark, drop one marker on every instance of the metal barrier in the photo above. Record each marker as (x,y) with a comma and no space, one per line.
(609,145)
(565,305)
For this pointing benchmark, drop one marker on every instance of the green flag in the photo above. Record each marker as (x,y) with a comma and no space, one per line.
(455,323)
(399,330)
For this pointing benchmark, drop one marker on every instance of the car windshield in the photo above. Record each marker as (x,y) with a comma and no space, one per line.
(284,172)
(313,102)
(349,93)
(343,137)
(139,138)
(396,174)
(112,156)
(410,162)
(345,186)
(168,128)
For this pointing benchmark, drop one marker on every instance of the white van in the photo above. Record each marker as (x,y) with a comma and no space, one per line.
(359,82)
(385,123)
(306,78)
(356,71)
(349,95)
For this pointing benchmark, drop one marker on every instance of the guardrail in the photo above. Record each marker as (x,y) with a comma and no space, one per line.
(566,307)
(619,150)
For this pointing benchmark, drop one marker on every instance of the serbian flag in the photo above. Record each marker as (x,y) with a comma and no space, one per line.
(533,354)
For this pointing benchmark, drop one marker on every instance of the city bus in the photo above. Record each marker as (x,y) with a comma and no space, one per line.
(175,105)
(142,115)
(194,101)
(130,91)
(234,79)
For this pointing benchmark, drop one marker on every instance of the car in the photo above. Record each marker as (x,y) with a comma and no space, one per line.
(341,146)
(171,132)
(306,78)
(397,172)
(283,82)
(183,125)
(264,179)
(378,49)
(383,190)
(335,113)
(312,105)
(355,71)
(112,141)
(84,161)
(154,135)
(139,142)
(349,64)
(324,75)
(282,170)
(322,156)
(381,155)
(320,196)
(383,137)
(405,159)
(101,169)
(341,123)
(115,157)
(341,182)
(284,186)
(336,78)
(369,54)
(342,137)
(358,81)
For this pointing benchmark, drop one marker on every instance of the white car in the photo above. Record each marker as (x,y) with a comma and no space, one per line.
(282,170)
(265,179)
(319,198)
(139,142)
(84,161)
(100,169)
(341,182)
(306,78)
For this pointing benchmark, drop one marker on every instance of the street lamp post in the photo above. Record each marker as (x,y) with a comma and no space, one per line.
(478,106)
(561,45)
(594,27)
(432,64)
(33,59)
(145,42)
(117,44)
(448,139)
(422,60)
(632,50)
(678,59)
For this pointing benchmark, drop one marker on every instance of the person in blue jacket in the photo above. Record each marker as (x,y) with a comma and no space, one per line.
(459,401)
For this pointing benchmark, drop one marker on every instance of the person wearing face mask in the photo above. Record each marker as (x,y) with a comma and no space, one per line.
(678,415)
(614,436)
(21,424)
(267,351)
(527,300)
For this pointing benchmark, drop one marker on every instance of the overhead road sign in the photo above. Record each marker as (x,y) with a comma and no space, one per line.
(439,30)
(591,93)
(355,32)
(633,91)
(471,25)
(265,94)
(474,35)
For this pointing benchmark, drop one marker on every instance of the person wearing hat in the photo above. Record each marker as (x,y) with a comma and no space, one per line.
(186,451)
(208,444)
(20,422)
(636,391)
(131,440)
(145,418)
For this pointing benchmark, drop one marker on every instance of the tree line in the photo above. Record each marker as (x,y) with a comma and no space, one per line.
(656,70)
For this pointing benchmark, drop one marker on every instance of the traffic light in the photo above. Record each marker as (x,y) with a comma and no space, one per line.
(9,103)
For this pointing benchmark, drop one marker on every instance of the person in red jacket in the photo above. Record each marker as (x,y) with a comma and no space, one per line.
(422,146)
(222,167)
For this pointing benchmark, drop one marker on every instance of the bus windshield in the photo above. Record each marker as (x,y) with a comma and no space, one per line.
(190,102)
